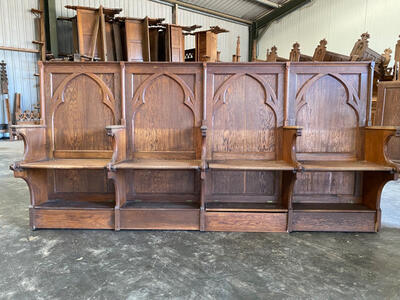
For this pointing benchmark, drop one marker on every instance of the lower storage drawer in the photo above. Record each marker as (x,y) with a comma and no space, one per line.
(243,221)
(72,218)
(334,221)
(168,219)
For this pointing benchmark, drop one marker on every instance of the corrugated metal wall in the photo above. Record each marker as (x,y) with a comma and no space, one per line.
(17,29)
(341,22)
(142,8)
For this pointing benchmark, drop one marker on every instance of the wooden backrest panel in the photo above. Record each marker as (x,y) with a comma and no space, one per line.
(388,113)
(177,43)
(163,110)
(80,100)
(331,102)
(137,40)
(245,107)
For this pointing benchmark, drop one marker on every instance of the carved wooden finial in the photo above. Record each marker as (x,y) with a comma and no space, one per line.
(365,36)
(272,55)
(238,47)
(320,51)
(359,47)
(295,53)
(387,55)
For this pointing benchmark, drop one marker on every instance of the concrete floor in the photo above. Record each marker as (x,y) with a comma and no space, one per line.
(83,264)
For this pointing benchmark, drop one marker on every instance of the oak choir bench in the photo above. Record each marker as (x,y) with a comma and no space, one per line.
(206,146)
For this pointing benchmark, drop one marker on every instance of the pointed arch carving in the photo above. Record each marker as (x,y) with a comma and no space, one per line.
(352,100)
(58,97)
(138,98)
(270,98)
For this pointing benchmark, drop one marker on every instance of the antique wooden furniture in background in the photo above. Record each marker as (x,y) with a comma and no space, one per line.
(91,30)
(322,54)
(136,37)
(205,146)
(207,43)
(236,56)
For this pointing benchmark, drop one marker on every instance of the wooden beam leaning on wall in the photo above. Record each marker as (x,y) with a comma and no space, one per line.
(42,34)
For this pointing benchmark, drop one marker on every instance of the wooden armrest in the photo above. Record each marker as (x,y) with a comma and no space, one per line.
(34,137)
(290,133)
(376,140)
(118,132)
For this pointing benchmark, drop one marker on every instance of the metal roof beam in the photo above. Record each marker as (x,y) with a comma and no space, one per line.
(280,12)
(268,3)
(206,10)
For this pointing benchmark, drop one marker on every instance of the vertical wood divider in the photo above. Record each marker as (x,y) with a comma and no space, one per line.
(203,150)
(41,94)
(370,92)
(286,95)
(123,100)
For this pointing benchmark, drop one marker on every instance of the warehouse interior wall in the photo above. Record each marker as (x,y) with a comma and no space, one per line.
(17,29)
(341,22)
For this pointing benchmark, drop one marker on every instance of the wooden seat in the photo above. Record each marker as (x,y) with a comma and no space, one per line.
(93,163)
(159,164)
(251,165)
(343,166)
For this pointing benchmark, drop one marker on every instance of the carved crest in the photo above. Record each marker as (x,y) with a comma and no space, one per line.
(320,51)
(272,55)
(295,53)
(360,46)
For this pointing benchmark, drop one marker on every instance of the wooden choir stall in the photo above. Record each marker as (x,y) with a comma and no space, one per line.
(206,146)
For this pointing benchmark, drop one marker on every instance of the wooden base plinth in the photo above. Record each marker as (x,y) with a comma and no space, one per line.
(46,218)
(246,221)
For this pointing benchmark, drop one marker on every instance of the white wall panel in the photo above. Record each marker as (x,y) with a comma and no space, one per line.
(341,22)
(17,29)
